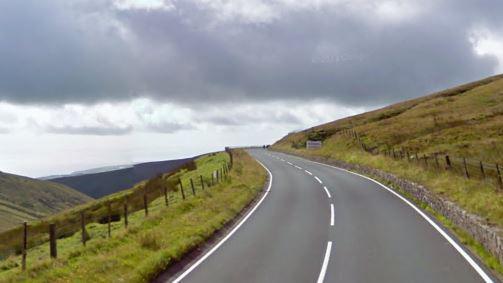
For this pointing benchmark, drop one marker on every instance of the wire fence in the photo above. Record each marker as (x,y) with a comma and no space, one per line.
(438,162)
(168,188)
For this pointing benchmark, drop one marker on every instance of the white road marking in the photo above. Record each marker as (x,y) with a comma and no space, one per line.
(331,214)
(203,258)
(289,163)
(451,241)
(328,193)
(323,271)
(318,179)
(282,159)
(298,167)
(308,172)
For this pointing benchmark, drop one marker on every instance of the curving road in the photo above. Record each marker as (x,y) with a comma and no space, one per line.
(317,223)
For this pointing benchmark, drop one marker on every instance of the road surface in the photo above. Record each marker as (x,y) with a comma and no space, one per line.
(317,223)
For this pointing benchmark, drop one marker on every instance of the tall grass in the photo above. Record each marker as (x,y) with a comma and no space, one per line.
(150,243)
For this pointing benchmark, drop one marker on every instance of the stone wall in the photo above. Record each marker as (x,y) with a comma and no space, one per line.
(490,237)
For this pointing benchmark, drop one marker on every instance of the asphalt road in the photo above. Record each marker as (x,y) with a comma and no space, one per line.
(355,230)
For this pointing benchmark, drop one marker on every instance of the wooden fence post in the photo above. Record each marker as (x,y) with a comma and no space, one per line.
(145,201)
(109,220)
(436,161)
(466,168)
(125,214)
(417,157)
(229,151)
(202,182)
(166,199)
(83,227)
(482,170)
(181,188)
(499,176)
(192,186)
(217,176)
(212,178)
(425,160)
(448,163)
(52,241)
(24,246)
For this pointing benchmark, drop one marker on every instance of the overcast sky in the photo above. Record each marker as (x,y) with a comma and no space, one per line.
(87,83)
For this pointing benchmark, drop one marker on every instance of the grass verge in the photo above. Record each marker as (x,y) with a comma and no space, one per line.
(475,196)
(152,243)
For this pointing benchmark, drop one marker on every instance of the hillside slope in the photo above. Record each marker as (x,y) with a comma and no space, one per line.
(23,198)
(101,184)
(464,121)
(150,243)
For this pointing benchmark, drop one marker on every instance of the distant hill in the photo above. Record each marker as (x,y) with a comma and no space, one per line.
(101,184)
(464,121)
(89,171)
(23,198)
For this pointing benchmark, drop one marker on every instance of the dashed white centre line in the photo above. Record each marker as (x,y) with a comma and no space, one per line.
(289,163)
(298,167)
(308,172)
(318,179)
(326,191)
(331,214)
(323,271)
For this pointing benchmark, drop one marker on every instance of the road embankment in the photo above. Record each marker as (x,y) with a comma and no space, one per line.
(152,242)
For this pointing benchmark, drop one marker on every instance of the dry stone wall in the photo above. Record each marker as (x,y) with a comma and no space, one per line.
(490,237)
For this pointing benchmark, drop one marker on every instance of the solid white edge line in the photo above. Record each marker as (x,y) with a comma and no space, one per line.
(331,214)
(324,266)
(308,172)
(458,248)
(318,179)
(328,193)
(203,258)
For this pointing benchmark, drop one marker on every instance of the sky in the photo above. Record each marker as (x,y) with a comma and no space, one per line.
(92,83)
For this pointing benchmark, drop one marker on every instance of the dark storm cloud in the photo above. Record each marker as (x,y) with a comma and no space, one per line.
(77,51)
(85,130)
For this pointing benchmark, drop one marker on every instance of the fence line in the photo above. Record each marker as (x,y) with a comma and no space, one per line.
(469,168)
(155,188)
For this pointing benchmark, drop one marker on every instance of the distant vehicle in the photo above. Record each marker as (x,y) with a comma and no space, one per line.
(313,144)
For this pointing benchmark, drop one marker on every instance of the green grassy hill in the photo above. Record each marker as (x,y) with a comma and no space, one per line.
(138,252)
(23,198)
(463,121)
